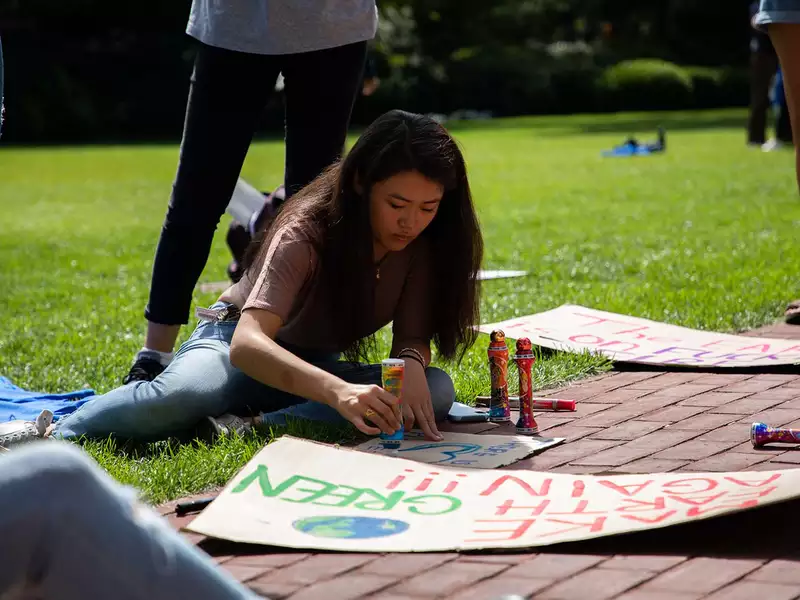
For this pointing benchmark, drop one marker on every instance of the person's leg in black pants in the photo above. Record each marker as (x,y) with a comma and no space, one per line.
(762,69)
(228,93)
(320,89)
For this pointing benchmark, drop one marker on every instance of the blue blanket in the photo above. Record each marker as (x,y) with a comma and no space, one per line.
(16,403)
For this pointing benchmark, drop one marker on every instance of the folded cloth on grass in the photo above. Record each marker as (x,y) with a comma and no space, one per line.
(16,403)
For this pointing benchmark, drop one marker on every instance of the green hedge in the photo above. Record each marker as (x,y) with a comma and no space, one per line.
(646,84)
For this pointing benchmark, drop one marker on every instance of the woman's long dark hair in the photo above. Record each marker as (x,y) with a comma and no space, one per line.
(337,218)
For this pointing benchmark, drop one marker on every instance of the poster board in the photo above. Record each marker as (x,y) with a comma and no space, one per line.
(301,494)
(465,450)
(573,328)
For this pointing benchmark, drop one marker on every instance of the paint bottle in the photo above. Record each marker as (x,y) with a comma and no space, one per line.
(524,358)
(553,404)
(761,434)
(392,374)
(499,407)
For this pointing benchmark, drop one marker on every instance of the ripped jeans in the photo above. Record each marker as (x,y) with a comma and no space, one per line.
(201,382)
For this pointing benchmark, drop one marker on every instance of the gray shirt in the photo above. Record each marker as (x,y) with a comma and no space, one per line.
(282,26)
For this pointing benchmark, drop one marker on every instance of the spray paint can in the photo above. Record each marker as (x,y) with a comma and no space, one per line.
(761,434)
(499,407)
(524,358)
(392,374)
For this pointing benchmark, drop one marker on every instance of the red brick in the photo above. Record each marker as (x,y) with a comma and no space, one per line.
(734,432)
(711,399)
(651,465)
(673,414)
(789,457)
(704,422)
(665,380)
(268,561)
(768,466)
(391,596)
(346,587)
(245,573)
(791,404)
(554,566)
(619,396)
(546,422)
(572,432)
(633,377)
(498,587)
(778,571)
(317,568)
(747,590)
(582,470)
(629,430)
(613,416)
(563,454)
(642,562)
(760,383)
(702,575)
(640,594)
(584,409)
(727,461)
(722,379)
(638,448)
(505,559)
(603,583)
(777,417)
(447,579)
(694,450)
(681,392)
(405,565)
(274,591)
(749,405)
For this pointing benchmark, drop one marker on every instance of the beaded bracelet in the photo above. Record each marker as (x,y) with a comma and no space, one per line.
(415,355)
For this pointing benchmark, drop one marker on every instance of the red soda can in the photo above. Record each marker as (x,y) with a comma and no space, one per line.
(499,407)
(524,358)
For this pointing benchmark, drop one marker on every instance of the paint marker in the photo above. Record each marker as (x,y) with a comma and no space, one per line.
(499,408)
(524,358)
(392,373)
(538,403)
(190,506)
(761,434)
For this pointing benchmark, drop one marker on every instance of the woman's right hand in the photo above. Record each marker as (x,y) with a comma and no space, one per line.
(357,403)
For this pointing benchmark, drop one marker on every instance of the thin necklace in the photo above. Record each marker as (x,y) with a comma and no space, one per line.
(378,266)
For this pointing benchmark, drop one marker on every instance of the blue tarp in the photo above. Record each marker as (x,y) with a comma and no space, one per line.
(16,403)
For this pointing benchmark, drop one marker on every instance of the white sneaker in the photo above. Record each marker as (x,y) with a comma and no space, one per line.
(20,432)
(773,145)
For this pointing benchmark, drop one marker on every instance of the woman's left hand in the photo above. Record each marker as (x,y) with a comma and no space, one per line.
(417,405)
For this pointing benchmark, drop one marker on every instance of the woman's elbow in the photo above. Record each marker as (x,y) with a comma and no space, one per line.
(240,350)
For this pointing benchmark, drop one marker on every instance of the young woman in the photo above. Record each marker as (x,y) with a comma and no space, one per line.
(388,235)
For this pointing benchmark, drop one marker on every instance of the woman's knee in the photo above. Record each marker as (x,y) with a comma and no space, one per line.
(443,392)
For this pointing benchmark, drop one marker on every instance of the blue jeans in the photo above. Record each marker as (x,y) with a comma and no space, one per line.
(69,531)
(200,382)
(778,11)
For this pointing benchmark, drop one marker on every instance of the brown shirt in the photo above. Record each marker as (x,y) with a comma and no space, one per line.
(284,288)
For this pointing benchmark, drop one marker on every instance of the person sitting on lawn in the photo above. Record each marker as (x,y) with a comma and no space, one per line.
(388,234)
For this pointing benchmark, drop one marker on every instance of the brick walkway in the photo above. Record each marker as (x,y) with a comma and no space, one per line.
(626,422)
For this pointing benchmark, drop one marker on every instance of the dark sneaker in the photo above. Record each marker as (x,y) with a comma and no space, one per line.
(21,432)
(144,369)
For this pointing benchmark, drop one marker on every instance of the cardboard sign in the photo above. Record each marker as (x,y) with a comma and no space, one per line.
(630,339)
(465,450)
(302,494)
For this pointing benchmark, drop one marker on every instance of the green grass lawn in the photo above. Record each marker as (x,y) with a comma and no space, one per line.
(701,236)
